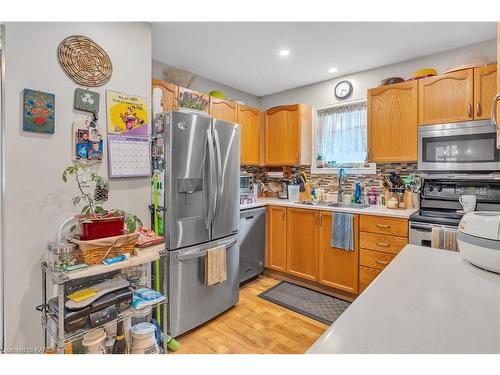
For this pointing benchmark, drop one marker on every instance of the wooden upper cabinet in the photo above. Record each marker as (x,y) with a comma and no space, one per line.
(287,132)
(223,109)
(302,243)
(498,82)
(392,123)
(338,268)
(276,238)
(249,120)
(446,98)
(485,89)
(169,95)
(205,97)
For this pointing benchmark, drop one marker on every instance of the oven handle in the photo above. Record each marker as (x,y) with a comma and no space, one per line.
(421,227)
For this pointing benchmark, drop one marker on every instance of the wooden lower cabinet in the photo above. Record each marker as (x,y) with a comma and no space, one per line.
(302,243)
(276,238)
(366,276)
(381,239)
(299,245)
(375,259)
(337,268)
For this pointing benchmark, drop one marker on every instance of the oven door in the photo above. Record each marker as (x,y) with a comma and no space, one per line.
(463,146)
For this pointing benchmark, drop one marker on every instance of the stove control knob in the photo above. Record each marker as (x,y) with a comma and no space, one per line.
(431,189)
(440,189)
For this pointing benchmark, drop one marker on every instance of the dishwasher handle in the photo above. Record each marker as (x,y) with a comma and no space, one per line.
(202,253)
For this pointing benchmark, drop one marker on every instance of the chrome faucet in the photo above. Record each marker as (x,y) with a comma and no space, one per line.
(341,178)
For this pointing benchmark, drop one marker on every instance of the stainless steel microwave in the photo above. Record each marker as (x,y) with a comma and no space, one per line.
(461,146)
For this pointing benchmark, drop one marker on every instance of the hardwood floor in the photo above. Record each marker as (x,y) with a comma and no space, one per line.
(253,326)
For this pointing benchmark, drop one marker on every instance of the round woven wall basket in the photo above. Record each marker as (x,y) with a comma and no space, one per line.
(84,61)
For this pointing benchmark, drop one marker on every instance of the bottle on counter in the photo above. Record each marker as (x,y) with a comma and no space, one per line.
(120,345)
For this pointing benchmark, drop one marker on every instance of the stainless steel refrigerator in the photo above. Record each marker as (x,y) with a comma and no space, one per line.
(202,168)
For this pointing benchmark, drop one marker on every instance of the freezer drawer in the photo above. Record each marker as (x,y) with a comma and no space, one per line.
(191,303)
(252,238)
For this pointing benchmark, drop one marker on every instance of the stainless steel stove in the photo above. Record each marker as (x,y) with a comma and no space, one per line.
(439,205)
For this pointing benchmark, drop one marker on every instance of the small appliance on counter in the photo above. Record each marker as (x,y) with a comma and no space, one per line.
(478,239)
(247,192)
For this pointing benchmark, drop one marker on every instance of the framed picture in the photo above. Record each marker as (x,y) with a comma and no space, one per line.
(86,100)
(127,114)
(39,111)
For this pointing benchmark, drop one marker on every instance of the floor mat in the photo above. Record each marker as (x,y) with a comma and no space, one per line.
(310,303)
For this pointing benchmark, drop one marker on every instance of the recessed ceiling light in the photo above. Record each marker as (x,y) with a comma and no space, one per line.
(333,70)
(284,52)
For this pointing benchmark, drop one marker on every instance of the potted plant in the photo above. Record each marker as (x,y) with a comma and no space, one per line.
(95,221)
(192,101)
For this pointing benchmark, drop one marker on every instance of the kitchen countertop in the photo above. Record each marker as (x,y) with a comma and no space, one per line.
(372,210)
(425,301)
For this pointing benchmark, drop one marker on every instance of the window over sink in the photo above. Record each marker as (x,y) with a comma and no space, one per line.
(340,139)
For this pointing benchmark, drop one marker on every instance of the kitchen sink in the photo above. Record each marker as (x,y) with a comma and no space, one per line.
(331,204)
(348,205)
(309,203)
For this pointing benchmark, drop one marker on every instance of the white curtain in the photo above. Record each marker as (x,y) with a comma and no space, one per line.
(341,134)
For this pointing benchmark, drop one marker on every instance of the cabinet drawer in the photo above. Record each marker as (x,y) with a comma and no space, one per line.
(366,276)
(384,225)
(375,259)
(382,242)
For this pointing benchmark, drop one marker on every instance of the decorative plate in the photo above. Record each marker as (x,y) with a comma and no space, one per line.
(84,61)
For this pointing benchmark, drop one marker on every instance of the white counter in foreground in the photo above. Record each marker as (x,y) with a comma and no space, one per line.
(372,210)
(425,301)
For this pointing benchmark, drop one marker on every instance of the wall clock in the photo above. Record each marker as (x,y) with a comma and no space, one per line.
(343,90)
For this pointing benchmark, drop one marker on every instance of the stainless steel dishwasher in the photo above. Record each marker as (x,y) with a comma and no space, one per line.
(252,238)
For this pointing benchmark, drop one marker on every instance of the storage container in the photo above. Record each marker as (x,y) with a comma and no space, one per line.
(61,255)
(293,193)
(141,316)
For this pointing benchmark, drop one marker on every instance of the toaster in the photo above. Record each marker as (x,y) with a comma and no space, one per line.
(478,239)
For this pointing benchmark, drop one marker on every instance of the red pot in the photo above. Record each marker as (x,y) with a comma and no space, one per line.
(92,229)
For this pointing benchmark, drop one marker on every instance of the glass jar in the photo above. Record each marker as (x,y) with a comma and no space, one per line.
(392,199)
(62,256)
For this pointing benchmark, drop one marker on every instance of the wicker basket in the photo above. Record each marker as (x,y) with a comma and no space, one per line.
(95,251)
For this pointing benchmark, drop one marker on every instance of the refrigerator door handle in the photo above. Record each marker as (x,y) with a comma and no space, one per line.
(202,253)
(220,185)
(211,201)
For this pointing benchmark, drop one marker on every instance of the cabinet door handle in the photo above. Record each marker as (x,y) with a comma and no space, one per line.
(382,262)
(383,244)
(385,226)
(478,109)
(469,109)
(283,214)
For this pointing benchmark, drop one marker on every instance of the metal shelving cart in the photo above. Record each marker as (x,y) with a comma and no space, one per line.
(53,327)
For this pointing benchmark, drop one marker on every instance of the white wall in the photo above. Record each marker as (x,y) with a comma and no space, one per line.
(322,93)
(206,85)
(37,201)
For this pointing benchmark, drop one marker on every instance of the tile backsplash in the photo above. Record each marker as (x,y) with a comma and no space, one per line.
(329,182)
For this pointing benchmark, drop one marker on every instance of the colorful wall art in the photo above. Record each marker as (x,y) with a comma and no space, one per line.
(39,111)
(127,114)
(86,100)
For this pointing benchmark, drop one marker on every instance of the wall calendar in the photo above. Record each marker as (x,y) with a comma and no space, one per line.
(128,156)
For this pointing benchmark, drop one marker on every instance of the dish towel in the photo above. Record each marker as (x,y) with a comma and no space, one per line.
(444,238)
(215,266)
(342,231)
(450,239)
